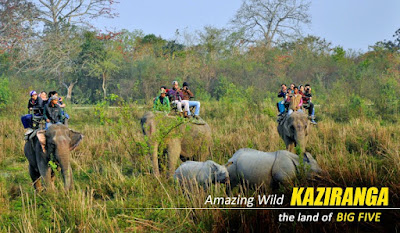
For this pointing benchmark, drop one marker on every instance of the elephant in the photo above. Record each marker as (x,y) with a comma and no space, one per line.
(204,173)
(55,144)
(267,168)
(294,131)
(181,139)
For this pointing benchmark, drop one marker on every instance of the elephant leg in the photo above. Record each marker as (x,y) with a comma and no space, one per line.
(35,176)
(45,172)
(174,152)
(154,159)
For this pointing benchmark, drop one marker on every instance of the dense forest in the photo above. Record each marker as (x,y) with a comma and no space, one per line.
(54,48)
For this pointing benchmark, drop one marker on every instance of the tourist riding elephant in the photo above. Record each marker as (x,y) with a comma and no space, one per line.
(268,168)
(53,144)
(294,131)
(177,137)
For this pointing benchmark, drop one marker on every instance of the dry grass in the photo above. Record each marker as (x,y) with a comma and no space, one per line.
(113,180)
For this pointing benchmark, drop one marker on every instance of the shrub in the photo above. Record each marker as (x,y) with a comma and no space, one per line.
(5,94)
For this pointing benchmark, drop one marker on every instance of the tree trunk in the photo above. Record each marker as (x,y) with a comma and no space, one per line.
(69,89)
(104,85)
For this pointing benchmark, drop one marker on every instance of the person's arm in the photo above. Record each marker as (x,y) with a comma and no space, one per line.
(281,94)
(45,113)
(168,105)
(190,93)
(155,104)
(301,102)
(29,104)
(59,113)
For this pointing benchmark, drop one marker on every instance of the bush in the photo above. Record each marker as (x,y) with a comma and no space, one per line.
(5,94)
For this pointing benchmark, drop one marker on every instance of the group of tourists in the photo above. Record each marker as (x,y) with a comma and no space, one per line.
(178,97)
(296,98)
(49,107)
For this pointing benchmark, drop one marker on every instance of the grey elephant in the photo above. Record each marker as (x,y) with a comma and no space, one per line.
(55,142)
(181,139)
(204,173)
(267,168)
(294,131)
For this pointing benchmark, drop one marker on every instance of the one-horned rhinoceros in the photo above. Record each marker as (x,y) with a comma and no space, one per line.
(204,173)
(257,167)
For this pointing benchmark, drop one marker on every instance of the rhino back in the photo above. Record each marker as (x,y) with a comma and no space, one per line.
(192,170)
(253,166)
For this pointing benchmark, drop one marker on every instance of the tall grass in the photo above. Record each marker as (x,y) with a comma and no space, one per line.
(114,184)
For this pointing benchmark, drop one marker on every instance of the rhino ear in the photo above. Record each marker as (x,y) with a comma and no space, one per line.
(214,167)
(307,157)
(76,138)
(41,135)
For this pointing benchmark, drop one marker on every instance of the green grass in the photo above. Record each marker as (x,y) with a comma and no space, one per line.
(113,180)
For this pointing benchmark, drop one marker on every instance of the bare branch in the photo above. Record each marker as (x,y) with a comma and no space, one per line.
(267,19)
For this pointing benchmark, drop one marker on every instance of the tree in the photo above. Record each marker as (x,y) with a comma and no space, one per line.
(56,13)
(16,30)
(271,20)
(16,18)
(101,57)
(58,45)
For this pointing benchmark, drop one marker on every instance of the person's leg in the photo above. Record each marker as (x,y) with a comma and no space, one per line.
(196,104)
(178,105)
(281,106)
(185,104)
(311,110)
(289,112)
(48,124)
(312,113)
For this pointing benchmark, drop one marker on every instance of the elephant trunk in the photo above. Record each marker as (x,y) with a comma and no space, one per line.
(301,141)
(62,156)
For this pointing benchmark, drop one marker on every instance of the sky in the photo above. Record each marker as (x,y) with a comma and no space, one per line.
(352,24)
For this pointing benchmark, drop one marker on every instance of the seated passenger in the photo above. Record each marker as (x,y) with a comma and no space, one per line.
(187,94)
(60,103)
(52,112)
(176,97)
(43,96)
(281,104)
(161,102)
(307,98)
(296,101)
(35,104)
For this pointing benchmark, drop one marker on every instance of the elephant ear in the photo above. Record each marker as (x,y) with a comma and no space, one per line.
(76,138)
(41,135)
(288,126)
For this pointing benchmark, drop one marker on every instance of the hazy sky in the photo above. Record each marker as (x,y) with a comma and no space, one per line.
(354,24)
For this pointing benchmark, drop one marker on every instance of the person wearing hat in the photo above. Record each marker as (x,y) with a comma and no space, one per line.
(52,112)
(161,102)
(187,94)
(35,102)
